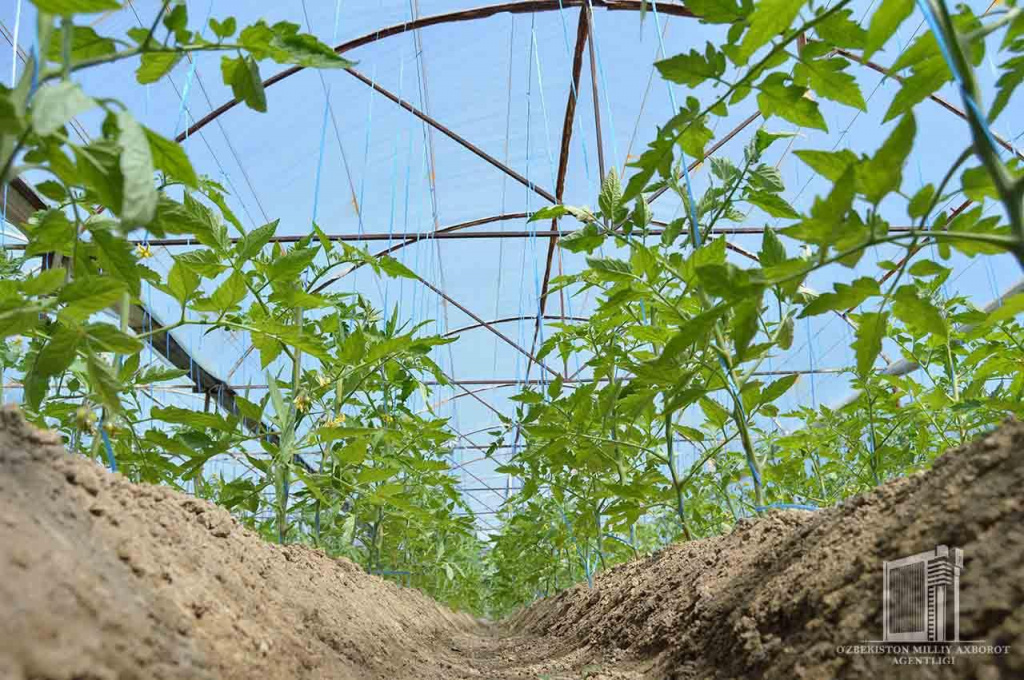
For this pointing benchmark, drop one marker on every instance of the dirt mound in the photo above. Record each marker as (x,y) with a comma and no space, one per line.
(101,580)
(792,594)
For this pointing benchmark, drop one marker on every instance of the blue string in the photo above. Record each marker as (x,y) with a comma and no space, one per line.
(786,506)
(366,147)
(191,74)
(933,24)
(604,86)
(682,154)
(110,450)
(810,360)
(394,179)
(504,183)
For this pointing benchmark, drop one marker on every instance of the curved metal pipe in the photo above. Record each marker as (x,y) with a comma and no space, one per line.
(524,7)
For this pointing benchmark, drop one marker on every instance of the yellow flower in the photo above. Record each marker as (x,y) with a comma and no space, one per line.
(338,420)
(301,402)
(143,251)
(322,381)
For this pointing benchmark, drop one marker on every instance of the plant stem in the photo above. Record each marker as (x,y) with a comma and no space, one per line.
(676,486)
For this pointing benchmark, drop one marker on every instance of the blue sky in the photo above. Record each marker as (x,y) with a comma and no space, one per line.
(502,83)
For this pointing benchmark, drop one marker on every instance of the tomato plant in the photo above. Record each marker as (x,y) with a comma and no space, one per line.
(685,322)
(675,351)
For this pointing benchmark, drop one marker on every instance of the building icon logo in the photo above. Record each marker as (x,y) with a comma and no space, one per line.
(921,597)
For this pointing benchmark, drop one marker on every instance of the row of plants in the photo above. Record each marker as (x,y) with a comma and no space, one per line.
(681,333)
(333,451)
(337,454)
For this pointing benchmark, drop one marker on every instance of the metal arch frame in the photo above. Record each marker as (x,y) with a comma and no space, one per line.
(522,7)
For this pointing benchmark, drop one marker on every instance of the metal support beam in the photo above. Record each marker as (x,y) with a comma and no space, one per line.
(508,319)
(582,34)
(454,136)
(409,238)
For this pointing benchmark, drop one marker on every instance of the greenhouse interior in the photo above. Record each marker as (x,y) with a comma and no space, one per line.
(530,339)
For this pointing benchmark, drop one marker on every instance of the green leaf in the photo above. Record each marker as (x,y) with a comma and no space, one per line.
(846,296)
(883,173)
(610,198)
(549,212)
(140,195)
(107,338)
(243,75)
(182,282)
(224,29)
(978,184)
(744,325)
(118,259)
(177,19)
(717,11)
(829,164)
(155,65)
(767,178)
(190,418)
(829,80)
(394,268)
(170,158)
(773,204)
(53,232)
(45,283)
(920,201)
(918,313)
(841,30)
(104,383)
(291,264)
(69,7)
(206,226)
(884,22)
(693,68)
(769,19)
(789,102)
(305,50)
(252,243)
(610,268)
(1011,77)
(928,77)
(785,333)
(773,252)
(59,351)
(1011,307)
(53,106)
(227,296)
(714,412)
(777,388)
(89,294)
(156,374)
(697,329)
(370,475)
(587,240)
(871,329)
(927,268)
(85,44)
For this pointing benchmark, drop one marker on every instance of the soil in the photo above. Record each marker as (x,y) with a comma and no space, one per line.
(101,579)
